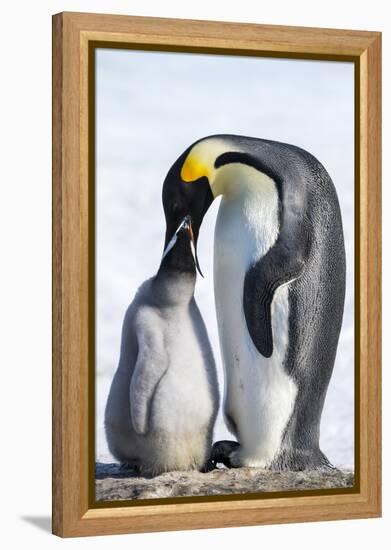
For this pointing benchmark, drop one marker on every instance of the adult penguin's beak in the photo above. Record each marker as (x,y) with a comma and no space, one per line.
(193,244)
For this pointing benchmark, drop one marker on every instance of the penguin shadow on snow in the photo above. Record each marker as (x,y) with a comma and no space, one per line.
(115,470)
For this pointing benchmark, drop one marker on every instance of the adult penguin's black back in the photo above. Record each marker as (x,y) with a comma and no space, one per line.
(316,304)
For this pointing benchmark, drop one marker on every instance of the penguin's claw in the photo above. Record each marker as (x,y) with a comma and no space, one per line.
(126,466)
(222,452)
(209,466)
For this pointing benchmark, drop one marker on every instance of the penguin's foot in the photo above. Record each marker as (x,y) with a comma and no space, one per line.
(208,466)
(126,466)
(301,459)
(222,453)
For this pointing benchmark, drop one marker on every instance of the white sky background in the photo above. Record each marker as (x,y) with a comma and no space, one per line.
(153,105)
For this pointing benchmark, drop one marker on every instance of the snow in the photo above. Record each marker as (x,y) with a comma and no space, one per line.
(150,107)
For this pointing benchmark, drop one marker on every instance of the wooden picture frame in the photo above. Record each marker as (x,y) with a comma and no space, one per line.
(75,35)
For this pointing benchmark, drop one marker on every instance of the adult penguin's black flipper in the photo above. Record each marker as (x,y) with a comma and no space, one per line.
(283,263)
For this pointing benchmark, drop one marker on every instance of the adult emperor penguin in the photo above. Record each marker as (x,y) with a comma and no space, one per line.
(164,397)
(279,279)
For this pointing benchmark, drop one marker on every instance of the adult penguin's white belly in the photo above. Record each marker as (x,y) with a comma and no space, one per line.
(259,395)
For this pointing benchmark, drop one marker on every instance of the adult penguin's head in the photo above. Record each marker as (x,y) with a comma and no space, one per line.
(185,200)
(193,182)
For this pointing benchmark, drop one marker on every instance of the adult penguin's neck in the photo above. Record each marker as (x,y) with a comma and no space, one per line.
(247,225)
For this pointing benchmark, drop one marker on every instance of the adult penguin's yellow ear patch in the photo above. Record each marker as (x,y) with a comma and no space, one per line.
(193,168)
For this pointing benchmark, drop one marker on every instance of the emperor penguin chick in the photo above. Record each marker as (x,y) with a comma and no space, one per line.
(164,397)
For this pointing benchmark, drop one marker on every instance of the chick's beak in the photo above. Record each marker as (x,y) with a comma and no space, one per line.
(186,224)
